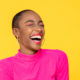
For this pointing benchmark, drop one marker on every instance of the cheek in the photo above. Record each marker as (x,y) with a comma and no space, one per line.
(26,32)
(43,31)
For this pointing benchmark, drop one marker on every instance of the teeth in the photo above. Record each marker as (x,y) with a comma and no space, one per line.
(36,41)
(36,37)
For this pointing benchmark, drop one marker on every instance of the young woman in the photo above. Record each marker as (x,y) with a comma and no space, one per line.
(31,62)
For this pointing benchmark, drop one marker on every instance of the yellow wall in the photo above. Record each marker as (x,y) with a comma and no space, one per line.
(62,25)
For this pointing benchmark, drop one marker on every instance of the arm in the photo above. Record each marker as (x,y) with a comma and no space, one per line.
(63,67)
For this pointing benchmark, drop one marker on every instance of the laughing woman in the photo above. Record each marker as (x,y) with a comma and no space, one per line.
(31,62)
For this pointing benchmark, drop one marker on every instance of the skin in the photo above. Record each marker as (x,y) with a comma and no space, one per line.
(29,24)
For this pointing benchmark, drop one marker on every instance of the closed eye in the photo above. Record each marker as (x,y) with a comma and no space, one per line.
(30,25)
(41,24)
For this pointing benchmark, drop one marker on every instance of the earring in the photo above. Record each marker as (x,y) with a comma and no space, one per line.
(17,41)
(43,42)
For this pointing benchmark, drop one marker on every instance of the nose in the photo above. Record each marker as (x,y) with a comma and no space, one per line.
(38,28)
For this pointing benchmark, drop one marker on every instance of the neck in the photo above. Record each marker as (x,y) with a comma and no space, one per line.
(27,50)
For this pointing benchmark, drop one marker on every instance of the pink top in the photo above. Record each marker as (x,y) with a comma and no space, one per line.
(45,64)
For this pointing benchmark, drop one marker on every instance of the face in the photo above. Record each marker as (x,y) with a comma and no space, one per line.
(31,32)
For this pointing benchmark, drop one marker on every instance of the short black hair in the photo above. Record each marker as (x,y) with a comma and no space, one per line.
(17,17)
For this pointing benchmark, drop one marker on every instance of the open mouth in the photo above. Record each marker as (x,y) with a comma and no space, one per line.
(36,38)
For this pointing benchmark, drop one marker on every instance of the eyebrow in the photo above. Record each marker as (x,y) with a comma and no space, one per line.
(40,21)
(33,21)
(29,21)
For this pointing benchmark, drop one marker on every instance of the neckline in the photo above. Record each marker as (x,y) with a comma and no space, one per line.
(27,57)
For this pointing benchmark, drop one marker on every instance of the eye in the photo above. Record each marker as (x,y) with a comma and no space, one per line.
(29,24)
(41,24)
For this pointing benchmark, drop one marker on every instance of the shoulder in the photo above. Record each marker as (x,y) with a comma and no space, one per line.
(59,54)
(6,63)
(6,70)
(54,51)
(6,60)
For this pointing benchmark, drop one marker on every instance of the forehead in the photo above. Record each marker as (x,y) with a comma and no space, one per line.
(30,15)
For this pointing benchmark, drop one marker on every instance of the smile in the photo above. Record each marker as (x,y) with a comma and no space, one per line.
(36,38)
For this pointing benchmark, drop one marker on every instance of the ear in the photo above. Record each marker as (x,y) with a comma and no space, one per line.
(16,32)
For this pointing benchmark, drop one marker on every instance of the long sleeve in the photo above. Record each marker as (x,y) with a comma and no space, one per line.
(44,65)
(63,67)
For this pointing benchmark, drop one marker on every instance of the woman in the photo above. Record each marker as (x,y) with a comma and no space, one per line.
(31,62)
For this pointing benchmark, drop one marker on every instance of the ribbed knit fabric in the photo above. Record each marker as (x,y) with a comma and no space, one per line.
(45,64)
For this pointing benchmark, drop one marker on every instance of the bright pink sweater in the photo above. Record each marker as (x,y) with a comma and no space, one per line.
(43,65)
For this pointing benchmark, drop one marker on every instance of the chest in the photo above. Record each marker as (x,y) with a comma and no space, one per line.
(37,70)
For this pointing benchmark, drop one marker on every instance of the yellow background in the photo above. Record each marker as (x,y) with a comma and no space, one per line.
(62,26)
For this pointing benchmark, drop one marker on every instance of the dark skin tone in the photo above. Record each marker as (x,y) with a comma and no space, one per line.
(29,24)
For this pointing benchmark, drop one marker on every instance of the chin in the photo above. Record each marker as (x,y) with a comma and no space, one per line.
(36,47)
